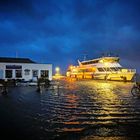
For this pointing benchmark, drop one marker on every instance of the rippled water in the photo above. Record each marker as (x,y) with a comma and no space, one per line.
(76,110)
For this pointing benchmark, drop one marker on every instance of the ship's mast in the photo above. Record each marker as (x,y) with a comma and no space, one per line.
(85,56)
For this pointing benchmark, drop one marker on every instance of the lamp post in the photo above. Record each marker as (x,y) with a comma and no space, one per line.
(57,69)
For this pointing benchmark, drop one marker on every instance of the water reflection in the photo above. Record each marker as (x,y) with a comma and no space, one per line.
(85,108)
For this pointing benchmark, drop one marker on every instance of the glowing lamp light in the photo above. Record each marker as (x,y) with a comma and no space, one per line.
(58,75)
(57,69)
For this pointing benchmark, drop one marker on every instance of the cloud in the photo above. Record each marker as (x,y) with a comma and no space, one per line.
(62,31)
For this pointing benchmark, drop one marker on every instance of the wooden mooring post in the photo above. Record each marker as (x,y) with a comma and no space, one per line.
(38,85)
(4,85)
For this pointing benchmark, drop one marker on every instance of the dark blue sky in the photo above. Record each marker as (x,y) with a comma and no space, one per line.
(62,31)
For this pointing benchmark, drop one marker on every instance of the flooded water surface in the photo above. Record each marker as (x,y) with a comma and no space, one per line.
(76,110)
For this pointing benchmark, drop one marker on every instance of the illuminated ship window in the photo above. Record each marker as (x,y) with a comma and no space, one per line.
(100,69)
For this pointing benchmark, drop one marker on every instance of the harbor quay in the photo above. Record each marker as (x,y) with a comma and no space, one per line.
(71,110)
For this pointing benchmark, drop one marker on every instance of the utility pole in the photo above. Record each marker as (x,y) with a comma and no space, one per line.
(16,54)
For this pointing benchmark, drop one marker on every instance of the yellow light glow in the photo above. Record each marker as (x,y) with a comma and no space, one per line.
(101,61)
(71,67)
(106,64)
(57,69)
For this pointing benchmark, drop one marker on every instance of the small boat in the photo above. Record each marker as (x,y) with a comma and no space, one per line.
(103,68)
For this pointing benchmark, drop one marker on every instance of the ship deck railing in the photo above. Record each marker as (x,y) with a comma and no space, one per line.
(128,70)
(119,71)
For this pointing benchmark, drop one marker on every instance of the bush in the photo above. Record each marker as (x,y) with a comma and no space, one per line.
(44,81)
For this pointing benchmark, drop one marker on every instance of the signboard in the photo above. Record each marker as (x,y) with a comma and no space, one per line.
(13,67)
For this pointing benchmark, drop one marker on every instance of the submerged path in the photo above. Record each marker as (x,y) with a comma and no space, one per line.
(77,110)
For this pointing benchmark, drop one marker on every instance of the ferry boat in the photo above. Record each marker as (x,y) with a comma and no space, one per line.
(104,68)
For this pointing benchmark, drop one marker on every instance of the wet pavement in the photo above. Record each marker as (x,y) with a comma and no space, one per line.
(76,110)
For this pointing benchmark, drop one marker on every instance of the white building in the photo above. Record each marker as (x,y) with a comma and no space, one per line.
(23,68)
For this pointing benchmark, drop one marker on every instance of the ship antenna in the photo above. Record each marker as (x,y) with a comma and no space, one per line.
(85,57)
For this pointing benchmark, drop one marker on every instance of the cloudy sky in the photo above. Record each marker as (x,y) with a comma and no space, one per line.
(62,31)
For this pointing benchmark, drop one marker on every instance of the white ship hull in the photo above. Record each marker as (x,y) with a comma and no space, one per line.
(115,76)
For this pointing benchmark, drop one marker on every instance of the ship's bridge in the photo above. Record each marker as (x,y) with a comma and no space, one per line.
(101,60)
(106,64)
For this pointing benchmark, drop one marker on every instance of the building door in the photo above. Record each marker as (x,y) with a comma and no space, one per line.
(35,75)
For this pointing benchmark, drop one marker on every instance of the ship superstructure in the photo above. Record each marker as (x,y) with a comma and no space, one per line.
(107,68)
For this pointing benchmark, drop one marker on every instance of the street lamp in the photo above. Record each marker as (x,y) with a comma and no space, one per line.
(57,69)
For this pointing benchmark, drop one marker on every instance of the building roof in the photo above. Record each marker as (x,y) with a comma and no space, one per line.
(15,60)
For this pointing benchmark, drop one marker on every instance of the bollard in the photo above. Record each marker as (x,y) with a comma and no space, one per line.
(47,83)
(38,89)
(38,86)
(5,92)
(42,82)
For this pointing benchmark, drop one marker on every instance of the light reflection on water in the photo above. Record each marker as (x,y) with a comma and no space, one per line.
(85,108)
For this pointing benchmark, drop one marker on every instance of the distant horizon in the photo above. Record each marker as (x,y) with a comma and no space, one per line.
(62,71)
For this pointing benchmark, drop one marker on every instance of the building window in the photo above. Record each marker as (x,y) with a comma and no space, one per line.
(27,72)
(18,73)
(35,73)
(45,73)
(8,73)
